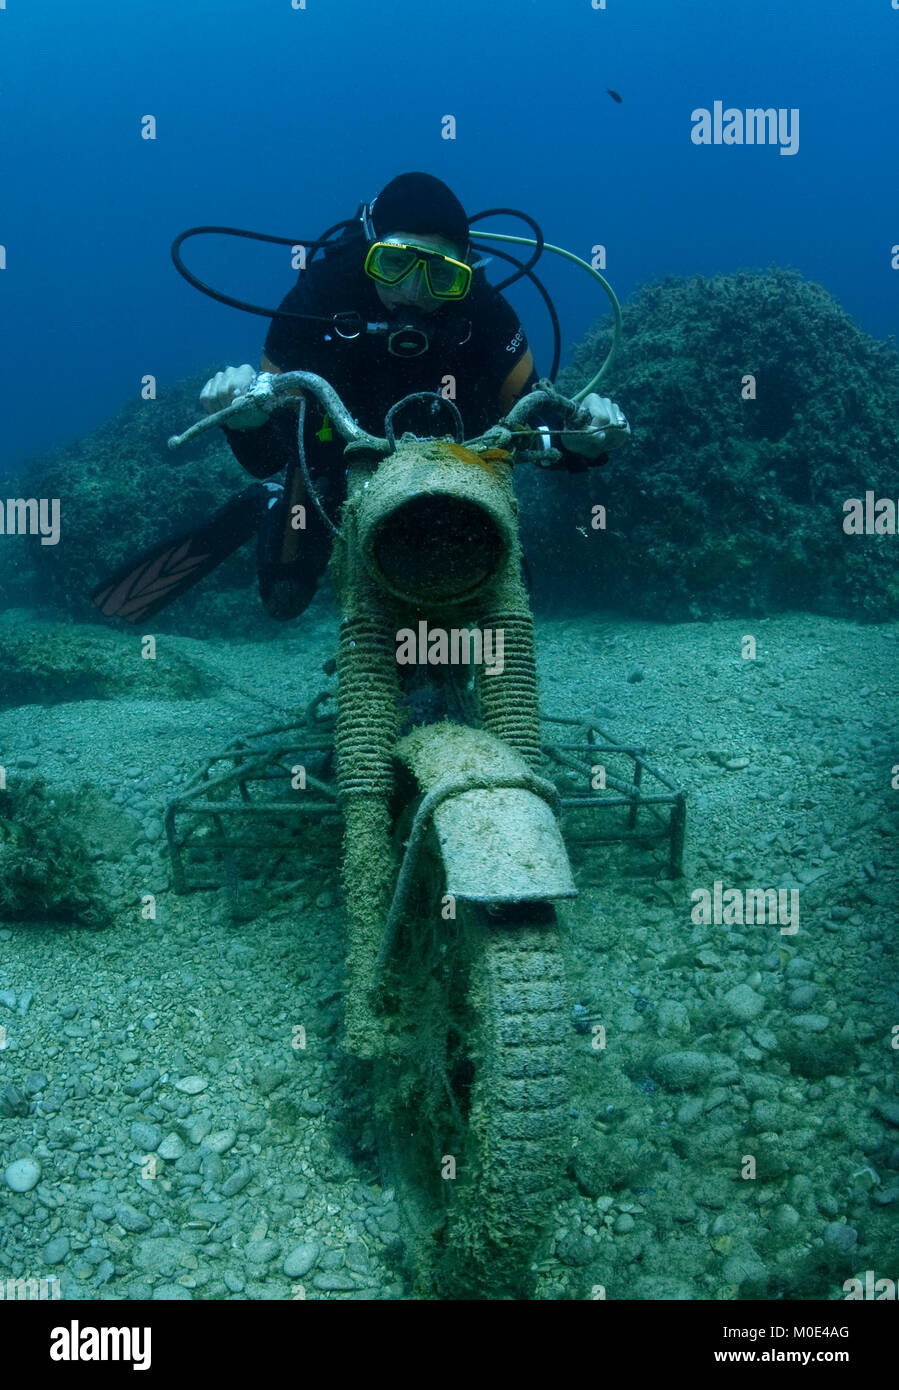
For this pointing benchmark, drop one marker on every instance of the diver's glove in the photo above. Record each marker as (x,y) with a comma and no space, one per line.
(607,429)
(221,390)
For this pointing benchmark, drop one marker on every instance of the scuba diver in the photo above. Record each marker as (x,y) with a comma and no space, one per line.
(393,307)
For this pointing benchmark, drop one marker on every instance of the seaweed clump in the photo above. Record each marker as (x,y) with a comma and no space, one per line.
(723,505)
(45,869)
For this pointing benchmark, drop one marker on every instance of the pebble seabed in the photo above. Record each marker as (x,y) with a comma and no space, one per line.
(163,1136)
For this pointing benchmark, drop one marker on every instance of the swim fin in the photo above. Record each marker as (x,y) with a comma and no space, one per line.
(143,586)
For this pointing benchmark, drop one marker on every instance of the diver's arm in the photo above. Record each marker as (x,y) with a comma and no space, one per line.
(268,448)
(519,381)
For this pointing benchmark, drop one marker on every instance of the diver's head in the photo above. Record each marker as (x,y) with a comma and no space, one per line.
(417,232)
(417,270)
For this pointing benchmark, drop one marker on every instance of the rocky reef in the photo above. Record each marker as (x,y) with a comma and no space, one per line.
(49,663)
(121,490)
(724,505)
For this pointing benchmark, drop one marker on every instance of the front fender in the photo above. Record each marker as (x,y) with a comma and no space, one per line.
(499,839)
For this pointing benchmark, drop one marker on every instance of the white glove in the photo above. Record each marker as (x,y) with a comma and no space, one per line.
(608,429)
(221,390)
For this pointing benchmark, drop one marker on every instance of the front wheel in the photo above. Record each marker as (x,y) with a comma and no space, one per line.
(474,1104)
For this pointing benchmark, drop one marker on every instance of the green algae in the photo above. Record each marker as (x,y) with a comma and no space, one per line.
(45,868)
(722,505)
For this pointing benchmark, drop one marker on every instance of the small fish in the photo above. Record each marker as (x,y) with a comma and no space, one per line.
(583,532)
(614,95)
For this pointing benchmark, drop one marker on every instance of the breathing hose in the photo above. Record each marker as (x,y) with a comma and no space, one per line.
(570,256)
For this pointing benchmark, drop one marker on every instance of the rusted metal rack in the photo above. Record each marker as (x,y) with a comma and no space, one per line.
(255,779)
(581,761)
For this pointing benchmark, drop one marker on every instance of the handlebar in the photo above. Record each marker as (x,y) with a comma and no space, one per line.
(271,391)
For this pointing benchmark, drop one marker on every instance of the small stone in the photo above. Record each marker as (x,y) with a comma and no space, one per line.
(812,1023)
(680,1071)
(261,1252)
(210,1164)
(23,1174)
(333,1282)
(889,1111)
(26,761)
(301,1259)
(220,1141)
(765,1114)
(357,1259)
(742,1003)
(8,997)
(237,1182)
(146,1137)
(105,1271)
(131,1220)
(839,1236)
(268,1079)
(55,1250)
(745,1267)
(624,1224)
(634,675)
(801,998)
(673,1017)
(171,1148)
(191,1085)
(785,1218)
(241,952)
(690,1111)
(735,764)
(210,1211)
(233,1281)
(161,1254)
(171,1293)
(141,1081)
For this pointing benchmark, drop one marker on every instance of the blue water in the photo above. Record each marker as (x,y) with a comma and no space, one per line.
(283,120)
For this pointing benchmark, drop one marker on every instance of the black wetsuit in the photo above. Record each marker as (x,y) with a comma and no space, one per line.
(476,343)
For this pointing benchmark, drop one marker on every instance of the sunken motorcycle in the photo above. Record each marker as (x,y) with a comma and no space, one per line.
(453,857)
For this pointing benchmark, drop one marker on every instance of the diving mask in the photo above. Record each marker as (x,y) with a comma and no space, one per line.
(390,262)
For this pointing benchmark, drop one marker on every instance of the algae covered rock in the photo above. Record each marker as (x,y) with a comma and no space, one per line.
(121,490)
(729,498)
(45,869)
(45,663)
